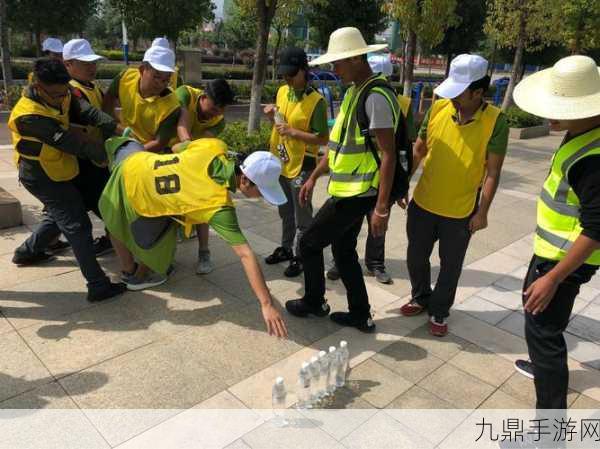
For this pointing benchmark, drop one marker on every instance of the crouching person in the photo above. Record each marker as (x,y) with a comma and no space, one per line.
(147,193)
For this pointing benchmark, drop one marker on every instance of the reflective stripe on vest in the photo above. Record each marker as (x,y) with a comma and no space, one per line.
(558,210)
(298,115)
(58,165)
(351,164)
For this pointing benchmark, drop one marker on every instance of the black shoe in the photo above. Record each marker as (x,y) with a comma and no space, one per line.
(524,367)
(26,260)
(346,319)
(102,245)
(333,274)
(294,269)
(108,292)
(300,308)
(280,254)
(59,246)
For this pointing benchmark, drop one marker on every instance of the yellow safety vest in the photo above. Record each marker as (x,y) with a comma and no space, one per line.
(174,78)
(199,127)
(558,207)
(176,184)
(58,165)
(93,95)
(456,159)
(143,115)
(298,115)
(353,169)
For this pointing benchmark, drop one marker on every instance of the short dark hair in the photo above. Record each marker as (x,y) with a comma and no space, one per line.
(220,92)
(51,71)
(483,83)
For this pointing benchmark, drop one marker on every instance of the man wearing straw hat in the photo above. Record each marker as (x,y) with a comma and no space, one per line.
(357,185)
(567,238)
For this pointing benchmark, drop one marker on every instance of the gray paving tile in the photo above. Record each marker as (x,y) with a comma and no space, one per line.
(483,364)
(484,310)
(410,361)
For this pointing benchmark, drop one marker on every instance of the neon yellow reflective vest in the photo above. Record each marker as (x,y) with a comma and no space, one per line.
(143,115)
(353,169)
(58,165)
(558,207)
(298,115)
(405,103)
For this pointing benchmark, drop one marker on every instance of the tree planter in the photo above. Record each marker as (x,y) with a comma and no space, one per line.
(530,132)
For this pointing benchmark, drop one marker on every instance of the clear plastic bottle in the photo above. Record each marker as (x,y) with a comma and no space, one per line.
(303,387)
(315,380)
(324,379)
(278,117)
(344,357)
(278,403)
(334,365)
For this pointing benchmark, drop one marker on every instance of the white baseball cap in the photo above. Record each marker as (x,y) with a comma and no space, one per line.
(464,69)
(161,42)
(52,44)
(79,49)
(263,169)
(160,58)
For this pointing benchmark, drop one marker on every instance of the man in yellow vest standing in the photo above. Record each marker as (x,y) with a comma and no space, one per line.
(357,184)
(148,105)
(202,116)
(47,152)
(299,127)
(462,143)
(81,63)
(567,238)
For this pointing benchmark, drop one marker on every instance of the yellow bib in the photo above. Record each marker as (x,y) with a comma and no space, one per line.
(93,95)
(58,165)
(176,184)
(405,103)
(455,163)
(298,115)
(143,115)
(199,127)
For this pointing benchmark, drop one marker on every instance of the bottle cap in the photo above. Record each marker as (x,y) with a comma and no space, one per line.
(322,354)
(331,349)
(279,380)
(314,360)
(305,365)
(343,344)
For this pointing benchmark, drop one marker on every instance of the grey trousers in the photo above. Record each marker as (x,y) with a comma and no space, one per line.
(295,219)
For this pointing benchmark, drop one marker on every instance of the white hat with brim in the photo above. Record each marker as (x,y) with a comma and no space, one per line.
(80,50)
(345,43)
(160,58)
(52,44)
(570,90)
(263,169)
(464,70)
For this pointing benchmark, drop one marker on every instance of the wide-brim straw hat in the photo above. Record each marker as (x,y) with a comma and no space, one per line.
(570,90)
(345,43)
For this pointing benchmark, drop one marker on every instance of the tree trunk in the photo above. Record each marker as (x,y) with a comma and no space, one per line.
(276,54)
(265,16)
(516,70)
(409,63)
(38,43)
(448,61)
(5,51)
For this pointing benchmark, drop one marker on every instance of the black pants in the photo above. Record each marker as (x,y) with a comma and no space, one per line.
(544,334)
(91,181)
(374,249)
(424,229)
(66,213)
(338,224)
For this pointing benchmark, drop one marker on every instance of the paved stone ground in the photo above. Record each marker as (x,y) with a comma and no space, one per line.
(199,342)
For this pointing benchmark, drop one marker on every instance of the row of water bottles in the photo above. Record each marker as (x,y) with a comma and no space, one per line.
(317,380)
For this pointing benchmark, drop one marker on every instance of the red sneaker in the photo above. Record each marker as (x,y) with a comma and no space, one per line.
(438,327)
(411,309)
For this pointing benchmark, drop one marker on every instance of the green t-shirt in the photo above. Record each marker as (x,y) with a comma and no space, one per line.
(498,141)
(168,127)
(318,121)
(183,95)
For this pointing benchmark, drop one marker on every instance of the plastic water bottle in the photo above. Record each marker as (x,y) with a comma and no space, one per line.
(344,357)
(315,380)
(303,387)
(278,117)
(278,397)
(333,369)
(324,367)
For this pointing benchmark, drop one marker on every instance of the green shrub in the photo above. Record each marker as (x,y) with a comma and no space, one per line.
(7,101)
(117,55)
(235,135)
(517,118)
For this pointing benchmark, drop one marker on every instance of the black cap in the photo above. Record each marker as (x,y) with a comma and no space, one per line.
(291,60)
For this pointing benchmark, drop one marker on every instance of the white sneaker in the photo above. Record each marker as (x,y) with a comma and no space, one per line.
(148,281)
(205,265)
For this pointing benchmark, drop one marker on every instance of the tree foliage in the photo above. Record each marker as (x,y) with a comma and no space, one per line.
(240,27)
(366,15)
(464,36)
(580,24)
